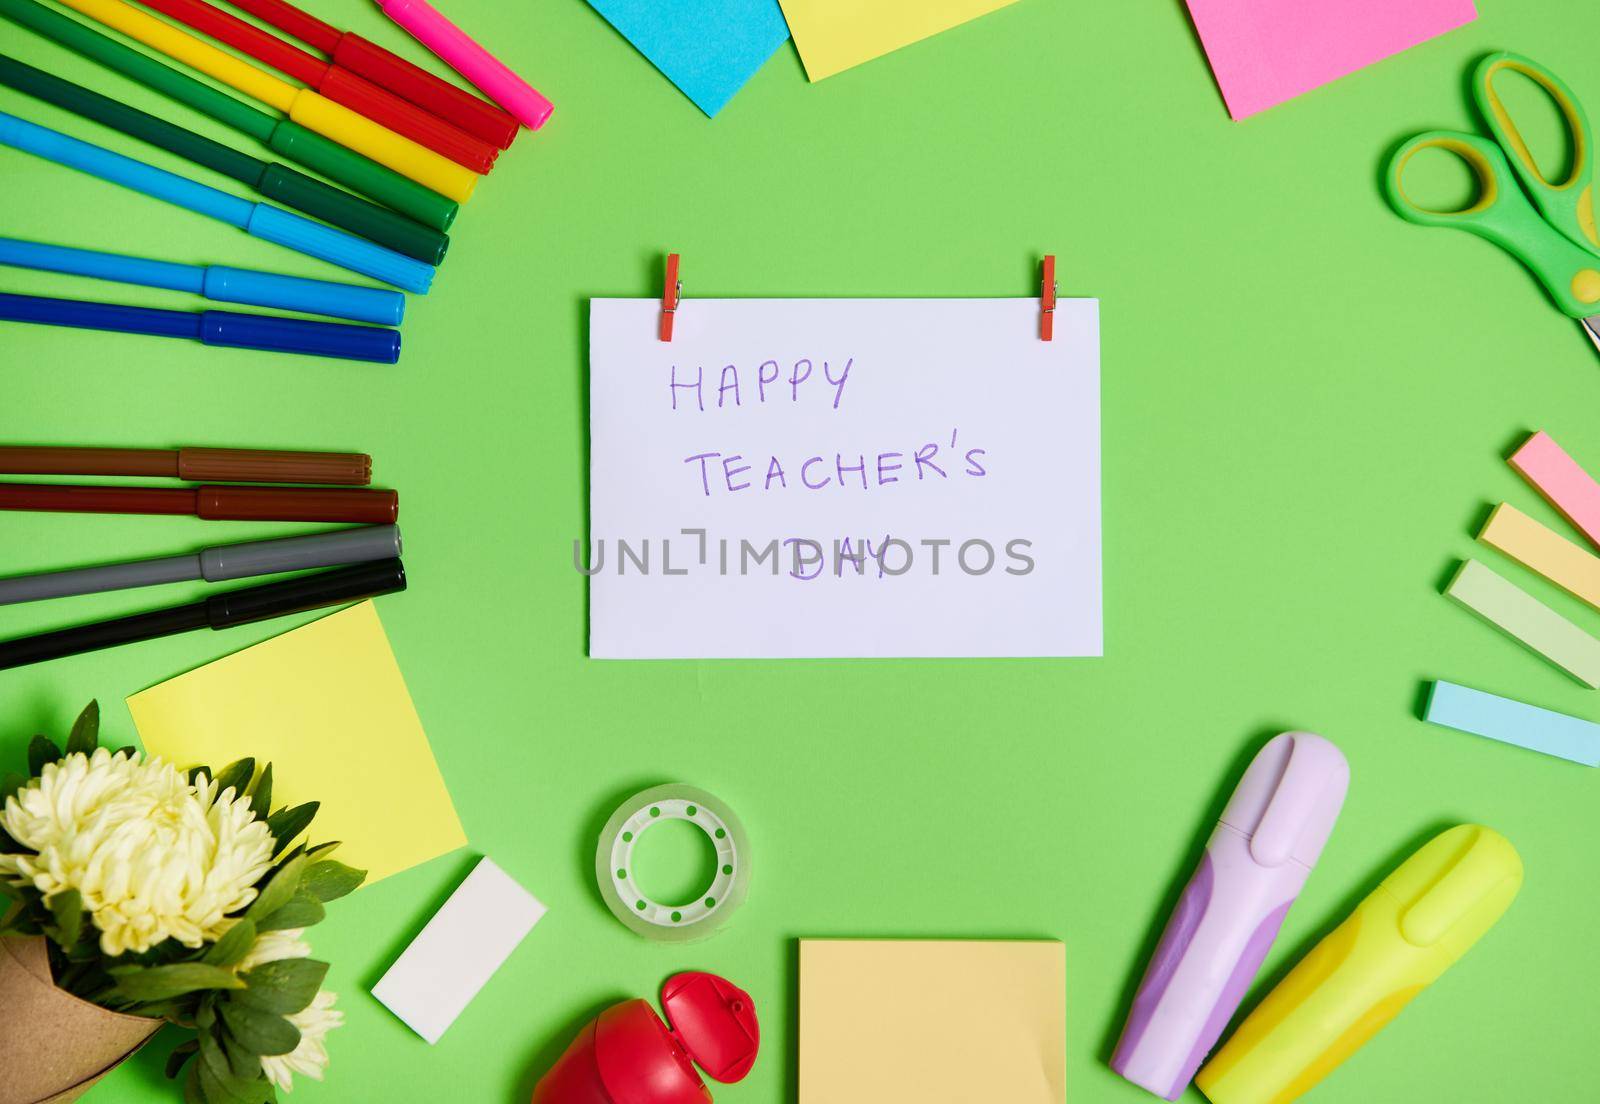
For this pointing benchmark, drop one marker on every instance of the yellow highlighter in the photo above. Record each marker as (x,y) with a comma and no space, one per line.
(306,107)
(1408,931)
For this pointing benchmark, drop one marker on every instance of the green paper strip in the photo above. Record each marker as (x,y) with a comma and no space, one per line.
(1527,620)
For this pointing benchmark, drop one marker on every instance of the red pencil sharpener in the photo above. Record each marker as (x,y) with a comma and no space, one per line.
(626,1055)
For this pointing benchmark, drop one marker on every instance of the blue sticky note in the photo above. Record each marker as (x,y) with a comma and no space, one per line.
(1513,722)
(708,48)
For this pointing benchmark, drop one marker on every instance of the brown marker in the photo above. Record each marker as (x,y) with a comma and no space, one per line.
(359,505)
(199,464)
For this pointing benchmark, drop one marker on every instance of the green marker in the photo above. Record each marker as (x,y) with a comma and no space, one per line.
(284,136)
(287,186)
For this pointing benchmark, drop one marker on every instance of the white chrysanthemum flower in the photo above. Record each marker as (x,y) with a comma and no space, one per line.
(274,946)
(154,857)
(311,1056)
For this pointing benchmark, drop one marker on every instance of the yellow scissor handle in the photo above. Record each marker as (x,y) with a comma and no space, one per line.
(1567,204)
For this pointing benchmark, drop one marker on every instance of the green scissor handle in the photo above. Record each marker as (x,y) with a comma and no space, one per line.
(1569,204)
(1503,215)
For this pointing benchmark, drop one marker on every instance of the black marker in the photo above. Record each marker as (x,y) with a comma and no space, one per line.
(236,607)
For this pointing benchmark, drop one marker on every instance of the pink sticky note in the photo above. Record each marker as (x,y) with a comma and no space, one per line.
(1263,52)
(1564,484)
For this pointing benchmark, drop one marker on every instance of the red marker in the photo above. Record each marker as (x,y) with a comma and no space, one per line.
(335,82)
(360,506)
(475,116)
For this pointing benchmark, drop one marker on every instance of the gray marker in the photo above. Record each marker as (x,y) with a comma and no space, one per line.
(233,561)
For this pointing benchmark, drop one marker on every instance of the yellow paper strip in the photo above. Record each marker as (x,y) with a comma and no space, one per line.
(1545,551)
(833,35)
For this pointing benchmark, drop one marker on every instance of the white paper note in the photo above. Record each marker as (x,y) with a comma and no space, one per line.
(455,955)
(850,477)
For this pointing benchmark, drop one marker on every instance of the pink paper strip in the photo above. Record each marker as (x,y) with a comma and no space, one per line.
(1263,52)
(1566,486)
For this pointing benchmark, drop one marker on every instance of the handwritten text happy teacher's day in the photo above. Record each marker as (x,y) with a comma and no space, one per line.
(804,380)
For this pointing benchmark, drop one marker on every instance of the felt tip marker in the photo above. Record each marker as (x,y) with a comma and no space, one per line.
(337,340)
(261,220)
(335,82)
(284,137)
(218,283)
(357,505)
(457,49)
(201,465)
(383,67)
(213,565)
(1258,858)
(222,611)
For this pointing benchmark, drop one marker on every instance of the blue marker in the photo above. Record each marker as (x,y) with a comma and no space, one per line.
(261,220)
(242,331)
(218,282)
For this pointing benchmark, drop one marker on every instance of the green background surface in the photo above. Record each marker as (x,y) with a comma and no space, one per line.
(1306,406)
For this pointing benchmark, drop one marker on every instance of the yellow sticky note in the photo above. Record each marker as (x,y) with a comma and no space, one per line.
(326,705)
(833,35)
(935,1021)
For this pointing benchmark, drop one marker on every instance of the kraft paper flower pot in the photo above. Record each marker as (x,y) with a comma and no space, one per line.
(53,1046)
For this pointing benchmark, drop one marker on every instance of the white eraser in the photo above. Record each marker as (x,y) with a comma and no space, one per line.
(455,955)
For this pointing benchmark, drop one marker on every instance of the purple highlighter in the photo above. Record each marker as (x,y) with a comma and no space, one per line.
(1253,868)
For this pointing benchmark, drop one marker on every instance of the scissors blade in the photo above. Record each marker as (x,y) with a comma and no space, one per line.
(1591,327)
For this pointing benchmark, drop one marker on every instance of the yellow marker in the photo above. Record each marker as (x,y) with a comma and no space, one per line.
(1543,550)
(1395,944)
(310,109)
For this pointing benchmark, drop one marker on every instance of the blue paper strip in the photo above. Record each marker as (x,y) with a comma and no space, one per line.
(1514,722)
(708,48)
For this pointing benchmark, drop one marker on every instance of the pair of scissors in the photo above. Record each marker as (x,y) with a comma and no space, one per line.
(1558,242)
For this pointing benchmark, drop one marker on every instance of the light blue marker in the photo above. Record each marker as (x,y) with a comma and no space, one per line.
(216,282)
(261,220)
(1513,722)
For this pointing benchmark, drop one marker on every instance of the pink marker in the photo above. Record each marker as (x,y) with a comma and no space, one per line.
(457,49)
(1254,866)
(1565,485)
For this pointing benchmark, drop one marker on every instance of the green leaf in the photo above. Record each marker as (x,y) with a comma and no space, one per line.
(245,1065)
(218,1079)
(280,889)
(41,751)
(328,880)
(192,1093)
(302,911)
(180,1054)
(261,796)
(196,772)
(127,749)
(287,985)
(85,735)
(141,984)
(236,776)
(67,909)
(233,946)
(10,784)
(9,846)
(286,824)
(216,1090)
(259,1032)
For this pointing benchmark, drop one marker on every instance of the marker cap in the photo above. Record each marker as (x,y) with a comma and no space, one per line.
(352,504)
(326,588)
(1455,887)
(267,289)
(336,247)
(297,335)
(268,557)
(1289,798)
(270,466)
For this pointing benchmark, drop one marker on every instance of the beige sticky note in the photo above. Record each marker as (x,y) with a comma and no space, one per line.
(326,705)
(934,1021)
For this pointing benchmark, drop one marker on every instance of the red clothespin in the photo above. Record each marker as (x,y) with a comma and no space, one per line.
(1047,299)
(669,297)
